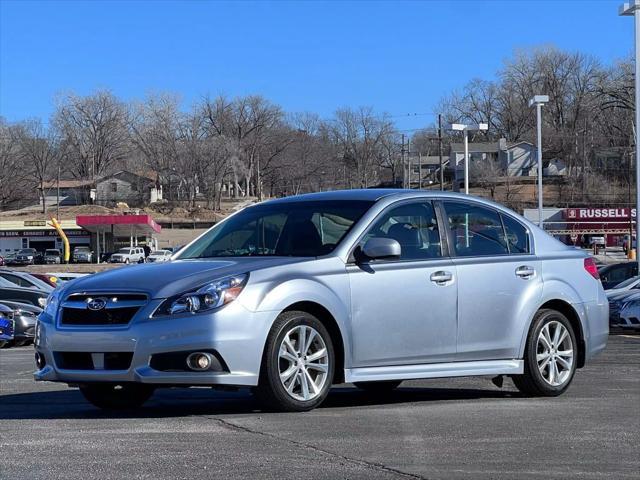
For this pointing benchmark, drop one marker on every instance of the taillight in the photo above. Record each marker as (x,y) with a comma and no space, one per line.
(591,267)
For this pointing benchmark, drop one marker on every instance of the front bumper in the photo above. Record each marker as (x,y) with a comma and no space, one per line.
(236,334)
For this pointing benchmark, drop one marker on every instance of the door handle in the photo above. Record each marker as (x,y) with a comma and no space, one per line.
(525,271)
(441,278)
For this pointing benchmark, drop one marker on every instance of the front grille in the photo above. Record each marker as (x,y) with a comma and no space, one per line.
(84,360)
(107,316)
(117,308)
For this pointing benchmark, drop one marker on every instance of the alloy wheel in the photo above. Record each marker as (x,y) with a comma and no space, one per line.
(303,363)
(555,353)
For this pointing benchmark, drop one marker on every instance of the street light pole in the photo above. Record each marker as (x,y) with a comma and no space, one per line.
(633,9)
(538,101)
(464,128)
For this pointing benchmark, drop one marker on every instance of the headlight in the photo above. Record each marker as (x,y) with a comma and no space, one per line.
(208,297)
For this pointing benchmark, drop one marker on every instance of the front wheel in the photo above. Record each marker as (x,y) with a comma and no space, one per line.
(298,363)
(550,356)
(112,396)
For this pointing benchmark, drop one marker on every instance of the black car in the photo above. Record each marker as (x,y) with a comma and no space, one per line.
(23,295)
(28,256)
(612,275)
(25,317)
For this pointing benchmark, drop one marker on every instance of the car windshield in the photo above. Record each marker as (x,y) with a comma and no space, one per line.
(159,252)
(627,282)
(124,250)
(292,229)
(52,252)
(27,251)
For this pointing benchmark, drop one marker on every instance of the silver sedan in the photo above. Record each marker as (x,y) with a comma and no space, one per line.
(372,287)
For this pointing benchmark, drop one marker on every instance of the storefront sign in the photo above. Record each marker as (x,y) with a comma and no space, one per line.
(599,214)
(42,233)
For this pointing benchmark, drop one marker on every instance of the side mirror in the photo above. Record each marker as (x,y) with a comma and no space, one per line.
(380,247)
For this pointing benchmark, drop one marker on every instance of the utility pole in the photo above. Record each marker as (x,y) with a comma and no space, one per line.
(58,194)
(404,167)
(440,151)
(419,170)
(409,163)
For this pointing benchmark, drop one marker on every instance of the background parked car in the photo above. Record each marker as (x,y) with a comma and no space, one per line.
(6,325)
(25,317)
(105,257)
(28,256)
(10,259)
(128,255)
(632,283)
(159,256)
(25,279)
(617,303)
(1,261)
(82,255)
(52,255)
(612,275)
(10,291)
(630,314)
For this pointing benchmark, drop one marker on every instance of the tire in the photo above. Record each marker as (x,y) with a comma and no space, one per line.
(316,372)
(22,343)
(545,381)
(3,343)
(378,388)
(113,396)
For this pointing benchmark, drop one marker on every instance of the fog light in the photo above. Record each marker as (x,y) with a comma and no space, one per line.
(199,361)
(40,361)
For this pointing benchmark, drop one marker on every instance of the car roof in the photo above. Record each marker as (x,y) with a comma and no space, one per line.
(365,194)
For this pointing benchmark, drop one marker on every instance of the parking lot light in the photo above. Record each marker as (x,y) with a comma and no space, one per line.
(632,8)
(538,101)
(465,128)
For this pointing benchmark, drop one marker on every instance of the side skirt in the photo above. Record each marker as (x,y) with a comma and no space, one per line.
(434,370)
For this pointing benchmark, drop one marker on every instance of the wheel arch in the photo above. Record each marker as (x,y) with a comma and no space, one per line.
(330,323)
(573,316)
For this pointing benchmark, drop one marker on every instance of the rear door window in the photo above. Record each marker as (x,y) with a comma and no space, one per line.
(477,230)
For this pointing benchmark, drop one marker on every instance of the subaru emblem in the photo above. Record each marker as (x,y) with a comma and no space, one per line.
(96,304)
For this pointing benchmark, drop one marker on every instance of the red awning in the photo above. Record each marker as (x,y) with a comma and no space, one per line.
(120,225)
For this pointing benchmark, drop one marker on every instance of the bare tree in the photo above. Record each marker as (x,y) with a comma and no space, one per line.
(359,136)
(13,182)
(93,131)
(40,153)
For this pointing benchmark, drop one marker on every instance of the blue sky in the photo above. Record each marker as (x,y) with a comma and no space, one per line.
(399,57)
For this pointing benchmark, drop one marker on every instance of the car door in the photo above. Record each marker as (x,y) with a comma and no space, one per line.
(498,279)
(403,311)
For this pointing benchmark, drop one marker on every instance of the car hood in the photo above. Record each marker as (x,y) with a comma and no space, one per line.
(21,306)
(166,279)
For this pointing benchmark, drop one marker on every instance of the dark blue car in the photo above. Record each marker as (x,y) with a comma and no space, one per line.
(6,325)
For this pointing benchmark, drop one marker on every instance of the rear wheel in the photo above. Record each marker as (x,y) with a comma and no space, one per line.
(550,356)
(298,363)
(116,396)
(378,388)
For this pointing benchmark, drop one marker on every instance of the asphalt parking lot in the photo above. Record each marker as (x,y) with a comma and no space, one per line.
(451,428)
